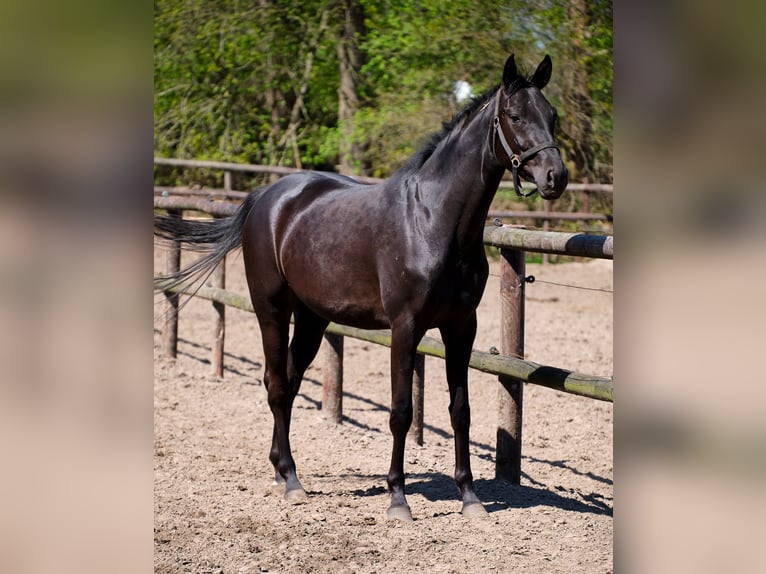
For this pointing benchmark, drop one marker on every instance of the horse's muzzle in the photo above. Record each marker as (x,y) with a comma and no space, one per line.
(556,180)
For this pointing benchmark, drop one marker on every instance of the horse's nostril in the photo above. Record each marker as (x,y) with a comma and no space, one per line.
(551,180)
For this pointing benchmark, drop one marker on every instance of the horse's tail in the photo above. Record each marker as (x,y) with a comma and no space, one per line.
(215,237)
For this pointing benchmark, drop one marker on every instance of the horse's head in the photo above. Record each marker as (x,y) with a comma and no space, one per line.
(523,130)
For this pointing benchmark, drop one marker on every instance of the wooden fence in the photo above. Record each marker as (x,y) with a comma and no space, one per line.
(511,370)
(229,168)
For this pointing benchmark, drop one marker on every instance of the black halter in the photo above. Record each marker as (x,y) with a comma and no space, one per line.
(516,160)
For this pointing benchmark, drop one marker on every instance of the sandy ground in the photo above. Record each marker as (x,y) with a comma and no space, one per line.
(216,511)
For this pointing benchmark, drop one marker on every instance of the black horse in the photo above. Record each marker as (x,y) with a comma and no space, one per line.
(406,253)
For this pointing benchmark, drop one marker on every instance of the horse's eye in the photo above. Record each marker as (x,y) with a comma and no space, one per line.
(515,119)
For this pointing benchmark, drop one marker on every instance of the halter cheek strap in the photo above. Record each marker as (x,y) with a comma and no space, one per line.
(516,160)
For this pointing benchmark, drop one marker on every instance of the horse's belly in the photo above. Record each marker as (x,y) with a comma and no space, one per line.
(345,296)
(347,311)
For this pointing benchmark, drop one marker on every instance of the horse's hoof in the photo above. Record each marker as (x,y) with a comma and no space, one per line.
(296,496)
(474,510)
(400,512)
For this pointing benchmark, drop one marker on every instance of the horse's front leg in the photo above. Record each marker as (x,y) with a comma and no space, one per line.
(403,345)
(458,341)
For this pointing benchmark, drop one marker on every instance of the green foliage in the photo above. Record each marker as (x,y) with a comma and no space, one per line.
(229,75)
(258,82)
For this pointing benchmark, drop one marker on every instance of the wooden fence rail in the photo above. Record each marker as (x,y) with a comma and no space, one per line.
(226,166)
(215,208)
(547,215)
(511,371)
(552,242)
(600,388)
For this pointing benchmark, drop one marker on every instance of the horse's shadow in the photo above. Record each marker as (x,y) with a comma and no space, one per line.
(498,495)
(228,367)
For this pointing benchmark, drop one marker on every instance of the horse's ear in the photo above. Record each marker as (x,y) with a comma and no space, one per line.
(509,72)
(543,73)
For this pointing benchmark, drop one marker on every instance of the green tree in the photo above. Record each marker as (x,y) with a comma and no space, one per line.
(232,82)
(357,85)
(578,35)
(415,52)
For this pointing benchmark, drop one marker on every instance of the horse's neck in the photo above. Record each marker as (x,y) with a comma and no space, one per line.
(467,175)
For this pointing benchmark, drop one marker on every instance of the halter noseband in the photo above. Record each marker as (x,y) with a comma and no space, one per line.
(516,160)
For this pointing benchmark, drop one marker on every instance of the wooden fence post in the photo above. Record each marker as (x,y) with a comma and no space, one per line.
(172,265)
(418,399)
(218,279)
(586,197)
(510,390)
(546,227)
(332,384)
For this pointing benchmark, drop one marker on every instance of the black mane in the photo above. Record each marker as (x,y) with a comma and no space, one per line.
(421,156)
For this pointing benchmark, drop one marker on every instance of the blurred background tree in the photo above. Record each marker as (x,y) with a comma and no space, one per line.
(357,85)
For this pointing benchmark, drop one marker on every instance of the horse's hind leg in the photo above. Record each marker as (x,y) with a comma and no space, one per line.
(306,340)
(458,341)
(274,320)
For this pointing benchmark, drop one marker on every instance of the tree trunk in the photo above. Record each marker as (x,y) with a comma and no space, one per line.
(289,141)
(580,107)
(350,57)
